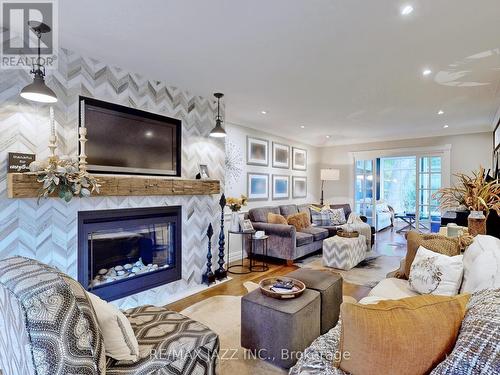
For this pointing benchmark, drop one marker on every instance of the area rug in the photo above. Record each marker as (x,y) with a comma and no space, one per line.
(222,314)
(368,273)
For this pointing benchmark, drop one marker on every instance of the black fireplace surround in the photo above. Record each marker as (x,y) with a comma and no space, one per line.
(126,251)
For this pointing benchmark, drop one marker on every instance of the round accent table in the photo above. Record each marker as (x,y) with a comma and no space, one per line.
(259,243)
(244,235)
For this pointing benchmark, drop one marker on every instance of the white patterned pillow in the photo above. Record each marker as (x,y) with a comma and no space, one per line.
(434,273)
(337,216)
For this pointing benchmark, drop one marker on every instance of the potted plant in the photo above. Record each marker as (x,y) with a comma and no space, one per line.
(235,205)
(475,192)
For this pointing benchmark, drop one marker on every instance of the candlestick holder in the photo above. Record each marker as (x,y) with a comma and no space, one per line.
(52,137)
(82,132)
(209,277)
(221,272)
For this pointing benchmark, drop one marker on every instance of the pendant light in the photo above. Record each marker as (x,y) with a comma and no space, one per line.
(218,131)
(38,90)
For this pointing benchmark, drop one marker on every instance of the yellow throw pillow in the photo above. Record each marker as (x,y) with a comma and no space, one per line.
(409,336)
(315,208)
(276,219)
(299,221)
(433,242)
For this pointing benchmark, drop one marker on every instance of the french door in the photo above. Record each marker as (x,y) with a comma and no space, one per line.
(406,183)
(364,195)
(429,181)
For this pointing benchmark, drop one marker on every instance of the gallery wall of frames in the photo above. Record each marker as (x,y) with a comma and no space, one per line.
(270,168)
(277,186)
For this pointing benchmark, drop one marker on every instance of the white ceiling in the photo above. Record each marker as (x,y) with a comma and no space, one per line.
(351,69)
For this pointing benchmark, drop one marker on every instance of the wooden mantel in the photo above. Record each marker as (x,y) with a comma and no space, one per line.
(25,185)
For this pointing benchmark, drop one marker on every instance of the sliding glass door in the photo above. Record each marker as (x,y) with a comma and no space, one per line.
(429,182)
(406,184)
(365,189)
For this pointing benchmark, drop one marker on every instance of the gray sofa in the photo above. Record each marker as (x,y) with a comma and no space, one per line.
(49,327)
(285,242)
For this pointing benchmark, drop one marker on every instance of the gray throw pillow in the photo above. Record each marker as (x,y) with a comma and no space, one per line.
(321,218)
(477,350)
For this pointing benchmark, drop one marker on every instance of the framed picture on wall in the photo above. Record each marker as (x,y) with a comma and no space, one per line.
(281,155)
(496,137)
(496,163)
(299,159)
(257,151)
(203,168)
(299,187)
(257,186)
(281,187)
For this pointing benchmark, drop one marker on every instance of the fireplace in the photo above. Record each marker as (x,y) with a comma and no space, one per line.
(126,251)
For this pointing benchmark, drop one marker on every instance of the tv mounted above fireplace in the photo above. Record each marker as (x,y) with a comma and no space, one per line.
(130,141)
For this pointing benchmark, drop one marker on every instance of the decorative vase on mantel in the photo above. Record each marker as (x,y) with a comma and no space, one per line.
(476,223)
(235,222)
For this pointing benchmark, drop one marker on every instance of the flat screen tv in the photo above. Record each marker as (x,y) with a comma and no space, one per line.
(130,141)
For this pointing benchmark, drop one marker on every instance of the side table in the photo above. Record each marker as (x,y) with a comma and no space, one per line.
(244,269)
(253,262)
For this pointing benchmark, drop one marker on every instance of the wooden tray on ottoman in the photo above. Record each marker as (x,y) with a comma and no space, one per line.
(266,284)
(345,234)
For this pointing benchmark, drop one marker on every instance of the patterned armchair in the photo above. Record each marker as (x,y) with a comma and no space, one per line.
(48,327)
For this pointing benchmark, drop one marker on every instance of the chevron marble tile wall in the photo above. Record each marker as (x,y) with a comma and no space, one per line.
(48,231)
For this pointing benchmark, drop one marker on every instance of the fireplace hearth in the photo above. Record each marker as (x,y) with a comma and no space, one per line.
(127,251)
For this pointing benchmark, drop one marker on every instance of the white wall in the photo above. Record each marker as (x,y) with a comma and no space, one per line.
(237,139)
(237,135)
(468,152)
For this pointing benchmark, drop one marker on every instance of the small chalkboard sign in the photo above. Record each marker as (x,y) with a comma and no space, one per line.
(19,163)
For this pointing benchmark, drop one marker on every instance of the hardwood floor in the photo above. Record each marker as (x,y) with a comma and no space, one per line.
(387,242)
(235,286)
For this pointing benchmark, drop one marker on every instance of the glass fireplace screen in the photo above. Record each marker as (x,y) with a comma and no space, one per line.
(119,253)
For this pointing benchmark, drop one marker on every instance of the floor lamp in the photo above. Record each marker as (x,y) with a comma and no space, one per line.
(329,174)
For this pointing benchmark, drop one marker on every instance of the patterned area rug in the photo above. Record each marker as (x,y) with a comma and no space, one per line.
(222,314)
(368,273)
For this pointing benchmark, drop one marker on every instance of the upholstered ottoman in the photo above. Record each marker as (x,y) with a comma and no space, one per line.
(344,253)
(279,330)
(329,286)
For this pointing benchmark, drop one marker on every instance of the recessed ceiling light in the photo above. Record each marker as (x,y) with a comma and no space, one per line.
(440,112)
(426,72)
(302,127)
(149,134)
(263,112)
(406,10)
(445,126)
(327,136)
